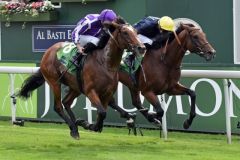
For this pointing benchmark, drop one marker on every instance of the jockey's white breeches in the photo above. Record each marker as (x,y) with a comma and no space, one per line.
(145,39)
(84,39)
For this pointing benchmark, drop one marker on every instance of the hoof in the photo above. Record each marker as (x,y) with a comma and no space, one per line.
(75,135)
(83,123)
(130,123)
(186,124)
(131,120)
(157,122)
(92,127)
(151,117)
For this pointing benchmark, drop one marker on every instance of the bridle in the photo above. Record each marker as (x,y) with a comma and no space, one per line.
(195,43)
(131,47)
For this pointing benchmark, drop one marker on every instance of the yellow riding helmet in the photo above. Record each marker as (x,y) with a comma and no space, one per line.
(166,23)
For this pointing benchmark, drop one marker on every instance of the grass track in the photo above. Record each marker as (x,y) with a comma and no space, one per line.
(52,142)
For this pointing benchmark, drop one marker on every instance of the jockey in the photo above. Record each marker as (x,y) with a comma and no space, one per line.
(152,32)
(88,32)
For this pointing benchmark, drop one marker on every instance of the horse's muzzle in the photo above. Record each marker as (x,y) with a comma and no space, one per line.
(140,50)
(210,55)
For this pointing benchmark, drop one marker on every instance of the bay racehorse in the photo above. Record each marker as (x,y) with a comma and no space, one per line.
(162,71)
(99,76)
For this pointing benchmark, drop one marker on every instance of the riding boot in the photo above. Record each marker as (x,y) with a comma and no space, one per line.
(148,46)
(129,61)
(77,59)
(89,47)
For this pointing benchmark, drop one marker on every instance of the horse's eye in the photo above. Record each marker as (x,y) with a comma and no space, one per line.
(125,33)
(195,37)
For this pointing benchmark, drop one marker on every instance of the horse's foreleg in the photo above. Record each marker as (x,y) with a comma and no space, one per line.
(59,109)
(181,90)
(67,102)
(135,94)
(153,99)
(101,111)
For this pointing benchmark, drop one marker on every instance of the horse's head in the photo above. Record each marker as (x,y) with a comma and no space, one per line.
(125,37)
(197,42)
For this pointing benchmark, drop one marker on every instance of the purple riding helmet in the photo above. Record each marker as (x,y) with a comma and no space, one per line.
(107,15)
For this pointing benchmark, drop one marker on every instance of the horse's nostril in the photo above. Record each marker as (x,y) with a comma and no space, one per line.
(213,51)
(142,49)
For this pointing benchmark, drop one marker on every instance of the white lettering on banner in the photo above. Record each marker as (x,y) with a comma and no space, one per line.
(218,95)
(55,35)
(40,35)
(179,105)
(69,34)
(233,89)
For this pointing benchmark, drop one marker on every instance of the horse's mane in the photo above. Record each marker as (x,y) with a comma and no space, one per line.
(120,20)
(105,37)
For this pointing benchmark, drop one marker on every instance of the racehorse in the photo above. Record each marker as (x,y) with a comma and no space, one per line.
(161,71)
(99,76)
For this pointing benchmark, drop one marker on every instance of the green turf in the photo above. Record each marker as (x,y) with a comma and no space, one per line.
(38,141)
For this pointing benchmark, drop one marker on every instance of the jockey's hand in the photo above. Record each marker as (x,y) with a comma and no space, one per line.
(80,48)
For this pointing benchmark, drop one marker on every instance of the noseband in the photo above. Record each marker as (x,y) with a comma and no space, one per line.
(200,48)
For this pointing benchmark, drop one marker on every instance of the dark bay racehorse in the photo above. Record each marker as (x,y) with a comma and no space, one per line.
(163,71)
(99,75)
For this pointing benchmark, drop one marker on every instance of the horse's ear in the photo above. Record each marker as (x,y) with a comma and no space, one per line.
(115,25)
(107,24)
(111,24)
(184,26)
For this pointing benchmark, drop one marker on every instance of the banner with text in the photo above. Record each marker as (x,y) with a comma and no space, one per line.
(44,37)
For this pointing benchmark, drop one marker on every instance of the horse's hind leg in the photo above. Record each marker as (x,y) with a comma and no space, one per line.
(181,90)
(135,94)
(59,109)
(67,102)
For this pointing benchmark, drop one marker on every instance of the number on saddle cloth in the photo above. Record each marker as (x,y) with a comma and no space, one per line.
(65,55)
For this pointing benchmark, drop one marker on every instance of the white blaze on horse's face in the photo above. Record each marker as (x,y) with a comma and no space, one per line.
(131,28)
(134,31)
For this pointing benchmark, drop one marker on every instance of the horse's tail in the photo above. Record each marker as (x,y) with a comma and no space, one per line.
(30,84)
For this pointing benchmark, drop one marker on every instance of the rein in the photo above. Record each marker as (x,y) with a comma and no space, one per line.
(200,48)
(110,34)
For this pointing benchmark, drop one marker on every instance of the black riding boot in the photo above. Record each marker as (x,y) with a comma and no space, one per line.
(129,61)
(76,59)
(89,47)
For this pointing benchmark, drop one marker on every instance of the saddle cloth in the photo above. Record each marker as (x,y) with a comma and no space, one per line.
(65,55)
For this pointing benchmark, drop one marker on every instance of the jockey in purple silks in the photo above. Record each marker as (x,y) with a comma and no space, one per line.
(88,32)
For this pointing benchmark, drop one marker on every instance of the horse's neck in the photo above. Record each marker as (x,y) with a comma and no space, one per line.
(175,52)
(113,55)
